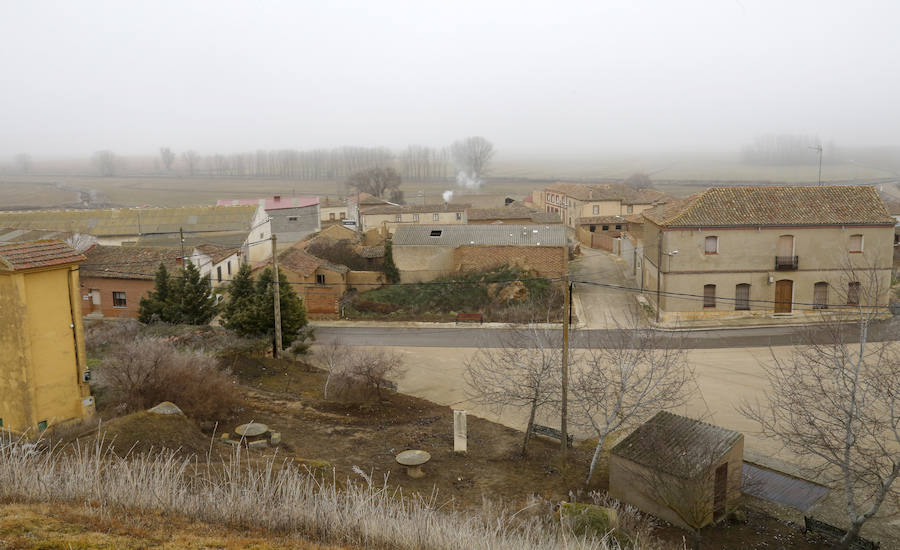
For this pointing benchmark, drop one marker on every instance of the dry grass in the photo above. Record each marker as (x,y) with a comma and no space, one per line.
(279,498)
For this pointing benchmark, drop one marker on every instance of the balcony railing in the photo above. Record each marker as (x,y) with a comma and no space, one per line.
(786,263)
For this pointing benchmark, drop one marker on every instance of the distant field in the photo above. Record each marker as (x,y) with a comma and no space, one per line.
(677,174)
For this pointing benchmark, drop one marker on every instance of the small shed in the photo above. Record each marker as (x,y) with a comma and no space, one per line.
(682,470)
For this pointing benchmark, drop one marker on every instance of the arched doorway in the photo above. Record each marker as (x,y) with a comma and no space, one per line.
(784,295)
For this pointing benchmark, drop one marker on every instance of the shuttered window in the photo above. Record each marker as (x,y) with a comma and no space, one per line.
(820,296)
(712,245)
(709,295)
(856,243)
(742,297)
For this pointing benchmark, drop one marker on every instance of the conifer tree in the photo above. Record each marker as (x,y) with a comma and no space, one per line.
(190,301)
(293,314)
(240,311)
(152,305)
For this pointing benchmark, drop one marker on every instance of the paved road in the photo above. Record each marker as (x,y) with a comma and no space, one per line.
(601,307)
(468,337)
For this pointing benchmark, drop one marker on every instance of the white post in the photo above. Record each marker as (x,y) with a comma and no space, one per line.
(459,431)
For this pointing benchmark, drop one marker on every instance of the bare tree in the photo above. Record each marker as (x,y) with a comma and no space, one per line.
(167,157)
(23,162)
(628,375)
(472,157)
(105,162)
(365,373)
(331,357)
(836,400)
(639,180)
(523,371)
(81,241)
(375,181)
(191,160)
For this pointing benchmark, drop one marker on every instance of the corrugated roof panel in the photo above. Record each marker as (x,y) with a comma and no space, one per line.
(480,235)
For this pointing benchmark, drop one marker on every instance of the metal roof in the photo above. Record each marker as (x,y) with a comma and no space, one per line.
(480,235)
(272,203)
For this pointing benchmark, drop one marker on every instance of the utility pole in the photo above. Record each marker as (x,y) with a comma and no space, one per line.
(659,237)
(563,422)
(277,300)
(819,149)
(181,234)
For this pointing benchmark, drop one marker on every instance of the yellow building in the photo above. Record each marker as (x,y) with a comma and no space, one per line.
(42,359)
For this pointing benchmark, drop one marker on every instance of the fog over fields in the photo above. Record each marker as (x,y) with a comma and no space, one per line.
(560,80)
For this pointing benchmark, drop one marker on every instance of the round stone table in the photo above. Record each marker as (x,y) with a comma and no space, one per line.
(413,459)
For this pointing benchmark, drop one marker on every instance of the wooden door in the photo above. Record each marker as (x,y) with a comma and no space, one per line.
(784,292)
(720,492)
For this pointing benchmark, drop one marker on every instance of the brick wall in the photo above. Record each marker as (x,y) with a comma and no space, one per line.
(548,261)
(134,290)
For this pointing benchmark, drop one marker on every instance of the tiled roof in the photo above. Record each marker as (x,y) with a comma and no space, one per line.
(135,221)
(299,261)
(372,251)
(272,203)
(366,199)
(600,219)
(676,445)
(774,205)
(512,213)
(34,254)
(482,235)
(128,262)
(216,252)
(608,192)
(416,209)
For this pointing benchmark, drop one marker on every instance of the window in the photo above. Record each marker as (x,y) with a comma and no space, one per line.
(229,267)
(292,218)
(262,235)
(856,243)
(436,232)
(435,216)
(331,216)
(459,215)
(709,295)
(605,228)
(618,226)
(415,217)
(742,297)
(343,215)
(42,425)
(119,299)
(596,209)
(712,245)
(785,246)
(593,228)
(320,278)
(398,217)
(853,294)
(820,296)
(630,209)
(219,274)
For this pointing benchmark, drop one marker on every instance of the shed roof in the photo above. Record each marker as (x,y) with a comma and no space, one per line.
(300,261)
(35,254)
(774,205)
(272,203)
(480,235)
(608,192)
(512,213)
(128,262)
(135,221)
(676,444)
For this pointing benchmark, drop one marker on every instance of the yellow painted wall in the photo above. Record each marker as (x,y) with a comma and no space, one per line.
(42,349)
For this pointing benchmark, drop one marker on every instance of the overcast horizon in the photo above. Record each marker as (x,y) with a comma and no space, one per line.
(562,79)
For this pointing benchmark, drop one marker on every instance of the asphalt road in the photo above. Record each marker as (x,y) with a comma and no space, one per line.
(470,337)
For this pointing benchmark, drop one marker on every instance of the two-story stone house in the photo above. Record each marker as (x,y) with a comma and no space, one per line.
(389,217)
(732,252)
(573,201)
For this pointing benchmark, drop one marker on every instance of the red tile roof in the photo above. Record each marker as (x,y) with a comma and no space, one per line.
(775,205)
(272,203)
(35,254)
(129,262)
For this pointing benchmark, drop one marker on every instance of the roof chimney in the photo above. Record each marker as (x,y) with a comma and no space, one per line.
(277,197)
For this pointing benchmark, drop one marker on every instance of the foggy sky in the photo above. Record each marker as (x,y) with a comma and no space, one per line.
(669,75)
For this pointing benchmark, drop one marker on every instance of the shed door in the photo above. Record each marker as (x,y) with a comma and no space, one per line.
(784,292)
(720,492)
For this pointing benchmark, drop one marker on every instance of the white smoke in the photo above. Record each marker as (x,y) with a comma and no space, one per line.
(465,180)
(447,196)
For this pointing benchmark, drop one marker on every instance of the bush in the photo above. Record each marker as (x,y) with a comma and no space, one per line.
(99,334)
(363,374)
(137,375)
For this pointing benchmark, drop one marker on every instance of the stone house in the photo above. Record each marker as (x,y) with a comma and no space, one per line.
(215,262)
(292,218)
(788,252)
(332,211)
(681,470)
(390,217)
(43,371)
(115,278)
(319,283)
(425,252)
(510,215)
(574,200)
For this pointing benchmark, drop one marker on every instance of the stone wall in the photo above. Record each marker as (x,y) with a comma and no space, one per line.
(547,261)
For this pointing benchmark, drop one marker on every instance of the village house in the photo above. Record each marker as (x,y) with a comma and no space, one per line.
(681,470)
(357,202)
(737,252)
(389,217)
(215,262)
(332,211)
(319,283)
(517,215)
(425,252)
(43,371)
(292,218)
(247,227)
(115,278)
(573,200)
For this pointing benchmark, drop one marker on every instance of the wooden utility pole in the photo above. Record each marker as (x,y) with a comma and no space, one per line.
(563,422)
(180,234)
(277,300)
(659,253)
